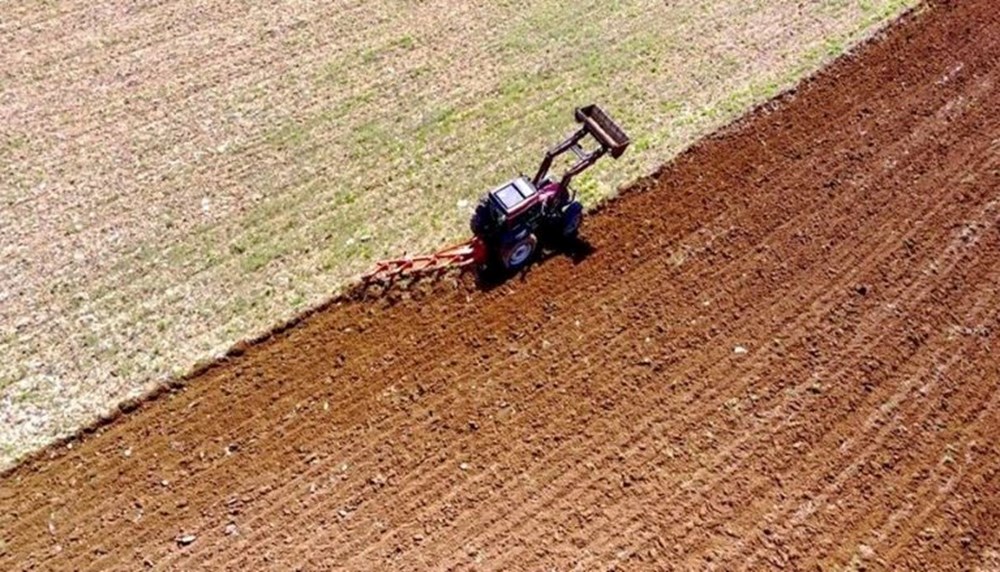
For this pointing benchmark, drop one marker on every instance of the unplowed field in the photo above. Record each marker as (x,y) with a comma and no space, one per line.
(782,351)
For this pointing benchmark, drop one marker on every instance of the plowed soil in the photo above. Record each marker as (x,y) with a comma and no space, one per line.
(783,351)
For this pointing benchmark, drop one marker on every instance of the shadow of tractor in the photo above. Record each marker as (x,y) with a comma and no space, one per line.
(576,249)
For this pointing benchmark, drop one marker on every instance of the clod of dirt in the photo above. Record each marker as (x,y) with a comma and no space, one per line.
(865,551)
(186,539)
(739,350)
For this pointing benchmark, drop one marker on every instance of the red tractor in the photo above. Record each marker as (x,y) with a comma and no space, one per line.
(511,221)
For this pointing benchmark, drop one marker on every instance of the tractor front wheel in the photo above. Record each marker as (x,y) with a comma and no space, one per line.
(571,219)
(518,253)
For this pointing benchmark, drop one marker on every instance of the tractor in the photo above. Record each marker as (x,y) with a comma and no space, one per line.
(512,221)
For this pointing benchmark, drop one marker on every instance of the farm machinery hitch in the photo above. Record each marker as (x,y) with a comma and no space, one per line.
(512,221)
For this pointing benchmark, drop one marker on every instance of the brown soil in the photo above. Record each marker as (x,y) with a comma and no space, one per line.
(783,351)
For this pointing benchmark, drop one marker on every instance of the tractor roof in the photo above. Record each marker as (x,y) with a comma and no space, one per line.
(515,193)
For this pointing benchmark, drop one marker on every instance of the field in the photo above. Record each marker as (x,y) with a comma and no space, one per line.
(177,176)
(782,352)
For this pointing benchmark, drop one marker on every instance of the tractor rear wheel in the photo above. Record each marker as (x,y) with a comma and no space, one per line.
(518,253)
(480,222)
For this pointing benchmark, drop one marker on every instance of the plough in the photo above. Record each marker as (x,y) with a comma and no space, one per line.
(468,254)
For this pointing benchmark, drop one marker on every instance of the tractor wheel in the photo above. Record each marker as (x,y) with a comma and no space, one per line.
(571,219)
(479,224)
(518,253)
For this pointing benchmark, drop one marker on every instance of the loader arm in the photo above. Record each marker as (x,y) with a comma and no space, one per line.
(595,123)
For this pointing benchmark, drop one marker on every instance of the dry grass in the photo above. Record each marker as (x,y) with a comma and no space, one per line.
(178,175)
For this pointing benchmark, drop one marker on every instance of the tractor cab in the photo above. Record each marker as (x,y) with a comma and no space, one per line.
(514,204)
(516,199)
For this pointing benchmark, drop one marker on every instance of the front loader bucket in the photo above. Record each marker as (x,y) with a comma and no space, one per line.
(604,129)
